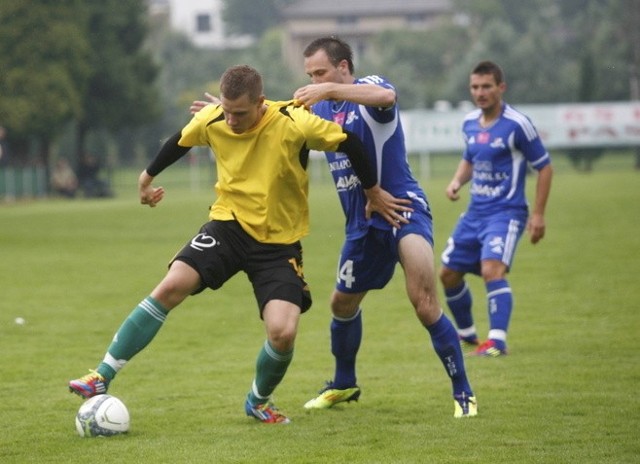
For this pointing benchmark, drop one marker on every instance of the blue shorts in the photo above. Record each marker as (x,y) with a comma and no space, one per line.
(478,238)
(368,262)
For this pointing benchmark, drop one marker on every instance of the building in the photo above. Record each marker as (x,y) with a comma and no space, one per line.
(200,20)
(355,21)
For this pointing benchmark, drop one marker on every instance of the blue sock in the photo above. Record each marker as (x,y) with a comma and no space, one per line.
(346,335)
(500,305)
(460,301)
(445,342)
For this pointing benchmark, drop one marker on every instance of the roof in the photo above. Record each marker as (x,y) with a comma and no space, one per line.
(331,8)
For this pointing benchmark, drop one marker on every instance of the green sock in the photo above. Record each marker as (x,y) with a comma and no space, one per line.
(134,334)
(270,369)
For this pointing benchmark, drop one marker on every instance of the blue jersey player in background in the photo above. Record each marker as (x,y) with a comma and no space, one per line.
(500,143)
(367,107)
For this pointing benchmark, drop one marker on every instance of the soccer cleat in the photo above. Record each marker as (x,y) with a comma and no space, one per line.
(330,396)
(90,385)
(489,349)
(265,412)
(465,405)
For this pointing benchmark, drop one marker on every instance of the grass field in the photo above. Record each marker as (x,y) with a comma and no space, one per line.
(565,394)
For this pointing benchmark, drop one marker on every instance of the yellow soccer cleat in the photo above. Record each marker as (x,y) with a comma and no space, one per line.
(330,396)
(465,406)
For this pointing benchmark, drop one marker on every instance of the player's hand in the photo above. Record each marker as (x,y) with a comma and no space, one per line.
(536,228)
(386,205)
(312,93)
(149,195)
(452,190)
(197,105)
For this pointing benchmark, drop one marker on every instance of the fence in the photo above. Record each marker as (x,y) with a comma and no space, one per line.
(429,132)
(21,182)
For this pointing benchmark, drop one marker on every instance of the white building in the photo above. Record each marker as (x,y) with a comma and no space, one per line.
(200,20)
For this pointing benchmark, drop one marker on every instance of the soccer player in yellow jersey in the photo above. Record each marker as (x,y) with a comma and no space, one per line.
(255,225)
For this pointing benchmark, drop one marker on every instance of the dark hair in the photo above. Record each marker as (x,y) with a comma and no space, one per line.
(489,67)
(335,48)
(241,80)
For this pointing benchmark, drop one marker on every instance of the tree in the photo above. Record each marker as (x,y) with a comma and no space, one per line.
(43,57)
(120,92)
(266,56)
(419,62)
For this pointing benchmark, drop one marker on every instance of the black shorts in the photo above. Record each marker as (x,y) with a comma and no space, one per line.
(222,248)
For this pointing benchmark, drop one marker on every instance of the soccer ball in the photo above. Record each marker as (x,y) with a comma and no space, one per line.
(102,416)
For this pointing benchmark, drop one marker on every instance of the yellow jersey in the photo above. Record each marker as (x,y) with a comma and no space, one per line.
(262,179)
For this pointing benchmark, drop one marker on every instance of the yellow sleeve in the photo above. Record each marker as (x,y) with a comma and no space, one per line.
(195,132)
(320,134)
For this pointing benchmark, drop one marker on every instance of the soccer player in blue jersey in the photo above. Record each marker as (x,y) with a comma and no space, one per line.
(368,108)
(500,143)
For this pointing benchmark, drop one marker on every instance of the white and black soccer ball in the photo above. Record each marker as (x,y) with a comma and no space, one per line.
(102,416)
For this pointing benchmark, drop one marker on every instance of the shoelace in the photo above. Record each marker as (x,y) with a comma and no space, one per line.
(92,375)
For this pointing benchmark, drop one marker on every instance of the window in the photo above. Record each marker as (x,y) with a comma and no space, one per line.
(347,20)
(203,23)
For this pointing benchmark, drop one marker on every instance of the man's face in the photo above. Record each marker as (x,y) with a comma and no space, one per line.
(320,70)
(241,114)
(485,92)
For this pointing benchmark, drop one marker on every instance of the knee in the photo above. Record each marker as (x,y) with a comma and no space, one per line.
(170,293)
(282,339)
(180,282)
(493,270)
(343,306)
(449,278)
(427,309)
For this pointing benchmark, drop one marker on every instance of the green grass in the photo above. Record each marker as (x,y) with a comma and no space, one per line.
(567,393)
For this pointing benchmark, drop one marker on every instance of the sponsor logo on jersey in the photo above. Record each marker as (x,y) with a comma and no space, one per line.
(497,143)
(339,165)
(490,176)
(347,182)
(483,137)
(486,190)
(483,166)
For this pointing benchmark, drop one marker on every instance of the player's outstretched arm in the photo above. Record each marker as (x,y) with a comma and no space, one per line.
(362,94)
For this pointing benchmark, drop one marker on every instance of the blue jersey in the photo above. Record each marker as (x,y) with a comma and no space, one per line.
(381,132)
(499,154)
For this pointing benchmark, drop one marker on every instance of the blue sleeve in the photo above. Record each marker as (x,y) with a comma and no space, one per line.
(532,148)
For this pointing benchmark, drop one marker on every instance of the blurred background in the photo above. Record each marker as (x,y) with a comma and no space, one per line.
(90,89)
